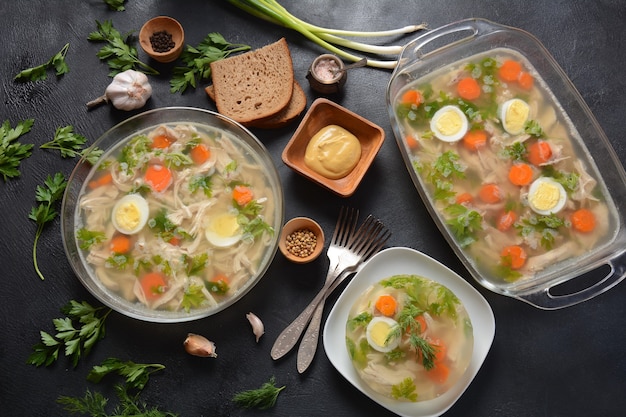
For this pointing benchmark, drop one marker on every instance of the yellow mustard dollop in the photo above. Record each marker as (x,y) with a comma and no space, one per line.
(333,152)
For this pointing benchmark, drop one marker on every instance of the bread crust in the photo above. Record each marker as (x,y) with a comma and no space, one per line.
(255,85)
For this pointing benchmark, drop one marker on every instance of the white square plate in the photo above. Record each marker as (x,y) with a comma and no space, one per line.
(401,260)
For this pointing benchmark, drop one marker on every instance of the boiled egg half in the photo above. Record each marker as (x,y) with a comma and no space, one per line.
(546,196)
(379,334)
(514,114)
(223,230)
(130,214)
(449,124)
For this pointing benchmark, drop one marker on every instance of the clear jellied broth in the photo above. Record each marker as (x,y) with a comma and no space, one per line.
(409,338)
(177,217)
(503,167)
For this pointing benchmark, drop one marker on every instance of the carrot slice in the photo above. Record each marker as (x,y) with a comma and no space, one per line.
(161,142)
(422,323)
(242,194)
(490,193)
(464,198)
(525,80)
(513,256)
(520,174)
(510,70)
(153,285)
(120,244)
(411,142)
(200,154)
(104,179)
(412,97)
(506,220)
(219,284)
(468,88)
(158,177)
(583,220)
(441,349)
(475,139)
(439,372)
(387,305)
(539,152)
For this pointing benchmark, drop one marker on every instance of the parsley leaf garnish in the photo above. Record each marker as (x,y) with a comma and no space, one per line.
(45,213)
(464,223)
(120,56)
(12,152)
(197,59)
(39,72)
(88,238)
(405,389)
(74,341)
(193,297)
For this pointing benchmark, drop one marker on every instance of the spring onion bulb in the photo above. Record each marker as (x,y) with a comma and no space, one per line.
(332,40)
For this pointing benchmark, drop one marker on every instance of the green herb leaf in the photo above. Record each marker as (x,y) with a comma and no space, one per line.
(76,341)
(405,389)
(136,374)
(193,297)
(39,73)
(197,60)
(120,56)
(70,144)
(464,223)
(45,213)
(116,5)
(11,151)
(261,398)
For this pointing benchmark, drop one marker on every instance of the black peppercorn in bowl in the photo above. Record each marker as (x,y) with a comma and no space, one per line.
(162,38)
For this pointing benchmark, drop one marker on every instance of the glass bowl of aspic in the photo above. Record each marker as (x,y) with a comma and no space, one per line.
(177,219)
(510,162)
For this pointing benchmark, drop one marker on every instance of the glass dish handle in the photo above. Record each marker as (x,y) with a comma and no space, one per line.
(545,300)
(428,42)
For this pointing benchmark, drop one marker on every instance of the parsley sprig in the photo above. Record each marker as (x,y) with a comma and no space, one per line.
(40,72)
(136,374)
(44,213)
(116,5)
(11,151)
(197,59)
(71,144)
(76,334)
(118,53)
(261,398)
(136,377)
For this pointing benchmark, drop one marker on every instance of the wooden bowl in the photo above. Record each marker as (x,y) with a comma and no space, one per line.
(299,223)
(322,113)
(158,24)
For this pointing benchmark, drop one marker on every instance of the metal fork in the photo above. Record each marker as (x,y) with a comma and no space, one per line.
(377,236)
(341,258)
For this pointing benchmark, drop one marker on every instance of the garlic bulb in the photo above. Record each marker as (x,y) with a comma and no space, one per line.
(129,90)
(257,325)
(199,346)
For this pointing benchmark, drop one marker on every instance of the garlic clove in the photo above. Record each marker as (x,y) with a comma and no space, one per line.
(198,345)
(257,325)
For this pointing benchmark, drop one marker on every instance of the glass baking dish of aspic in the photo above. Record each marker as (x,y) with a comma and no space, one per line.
(529,237)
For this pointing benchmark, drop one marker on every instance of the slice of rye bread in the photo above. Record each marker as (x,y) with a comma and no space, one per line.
(255,85)
(296,106)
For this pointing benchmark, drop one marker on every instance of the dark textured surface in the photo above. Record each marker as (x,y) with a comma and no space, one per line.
(562,363)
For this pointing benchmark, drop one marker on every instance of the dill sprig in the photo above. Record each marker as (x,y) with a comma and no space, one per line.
(261,398)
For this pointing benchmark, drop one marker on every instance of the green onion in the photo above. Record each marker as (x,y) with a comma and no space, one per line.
(329,39)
